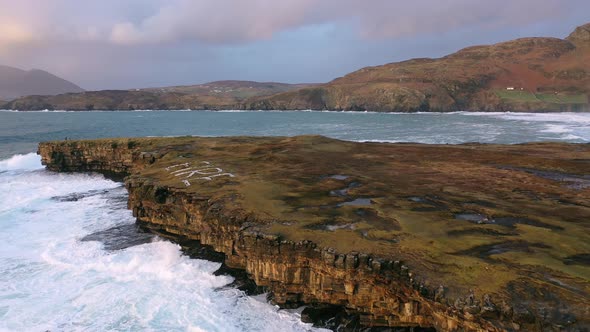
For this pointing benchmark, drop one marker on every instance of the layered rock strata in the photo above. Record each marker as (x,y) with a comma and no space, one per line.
(320,221)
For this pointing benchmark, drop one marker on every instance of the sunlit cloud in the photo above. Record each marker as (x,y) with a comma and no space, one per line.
(239,21)
(137,43)
(12,32)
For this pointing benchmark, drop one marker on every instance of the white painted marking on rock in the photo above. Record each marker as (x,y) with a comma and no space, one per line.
(188,171)
(178,165)
(209,178)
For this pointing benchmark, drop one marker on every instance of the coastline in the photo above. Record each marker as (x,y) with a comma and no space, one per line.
(301,111)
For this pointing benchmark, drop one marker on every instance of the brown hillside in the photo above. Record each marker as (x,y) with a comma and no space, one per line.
(119,100)
(523,74)
(214,95)
(232,90)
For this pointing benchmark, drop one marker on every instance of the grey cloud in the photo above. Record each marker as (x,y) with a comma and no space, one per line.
(387,19)
(221,21)
(132,22)
(136,43)
(226,21)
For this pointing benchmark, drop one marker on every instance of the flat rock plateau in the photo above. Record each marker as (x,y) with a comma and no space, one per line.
(414,237)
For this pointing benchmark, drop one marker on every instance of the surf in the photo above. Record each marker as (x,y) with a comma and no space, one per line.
(53,278)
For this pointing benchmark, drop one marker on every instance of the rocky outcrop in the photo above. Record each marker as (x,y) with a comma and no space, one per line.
(108,158)
(296,273)
(379,290)
(581,36)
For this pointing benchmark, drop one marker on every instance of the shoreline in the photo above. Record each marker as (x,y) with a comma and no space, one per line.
(301,111)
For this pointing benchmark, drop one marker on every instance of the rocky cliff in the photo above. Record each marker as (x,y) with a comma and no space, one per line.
(463,238)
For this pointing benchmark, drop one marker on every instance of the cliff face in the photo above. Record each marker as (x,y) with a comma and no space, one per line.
(383,289)
(105,157)
(296,273)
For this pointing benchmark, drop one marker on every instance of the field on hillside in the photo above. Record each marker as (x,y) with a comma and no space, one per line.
(555,98)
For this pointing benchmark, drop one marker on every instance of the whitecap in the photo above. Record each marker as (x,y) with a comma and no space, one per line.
(29,161)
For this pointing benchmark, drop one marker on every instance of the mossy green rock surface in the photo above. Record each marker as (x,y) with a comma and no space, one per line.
(457,237)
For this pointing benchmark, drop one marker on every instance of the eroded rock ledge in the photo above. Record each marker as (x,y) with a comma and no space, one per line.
(455,238)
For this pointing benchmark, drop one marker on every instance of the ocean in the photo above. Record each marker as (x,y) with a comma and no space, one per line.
(65,264)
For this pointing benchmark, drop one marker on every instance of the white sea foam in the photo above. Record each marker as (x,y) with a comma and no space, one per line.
(30,161)
(556,128)
(566,126)
(566,117)
(51,280)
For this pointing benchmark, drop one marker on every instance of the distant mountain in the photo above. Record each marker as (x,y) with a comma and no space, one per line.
(527,74)
(16,83)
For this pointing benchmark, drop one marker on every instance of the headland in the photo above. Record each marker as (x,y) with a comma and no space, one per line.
(465,237)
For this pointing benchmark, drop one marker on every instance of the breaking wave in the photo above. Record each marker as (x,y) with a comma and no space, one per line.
(571,127)
(30,161)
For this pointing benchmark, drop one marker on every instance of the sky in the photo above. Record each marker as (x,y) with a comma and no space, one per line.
(121,44)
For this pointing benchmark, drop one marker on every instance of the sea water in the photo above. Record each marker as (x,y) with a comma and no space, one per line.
(52,278)
(21,131)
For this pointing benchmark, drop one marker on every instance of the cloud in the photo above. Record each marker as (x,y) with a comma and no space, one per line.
(136,43)
(132,22)
(12,32)
(391,19)
(221,21)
